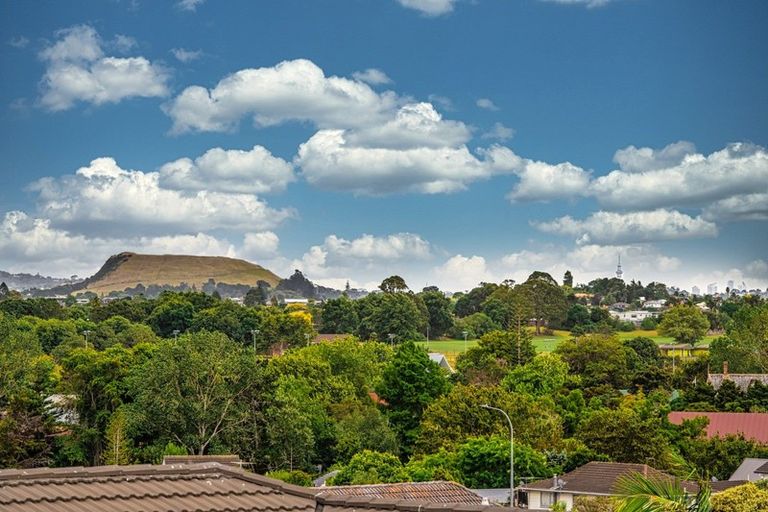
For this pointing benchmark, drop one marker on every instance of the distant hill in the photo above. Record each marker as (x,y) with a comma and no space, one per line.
(27,281)
(131,271)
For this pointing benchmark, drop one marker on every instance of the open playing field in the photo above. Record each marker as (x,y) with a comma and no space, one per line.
(452,348)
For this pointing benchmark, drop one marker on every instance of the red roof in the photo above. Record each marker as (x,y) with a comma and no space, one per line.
(753,425)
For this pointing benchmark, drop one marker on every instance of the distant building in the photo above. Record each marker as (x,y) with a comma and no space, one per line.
(742,380)
(712,289)
(730,285)
(695,290)
(634,316)
(655,304)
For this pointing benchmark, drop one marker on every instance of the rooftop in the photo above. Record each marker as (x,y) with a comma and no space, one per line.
(752,425)
(435,492)
(599,478)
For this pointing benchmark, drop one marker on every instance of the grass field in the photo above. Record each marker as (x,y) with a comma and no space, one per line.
(452,348)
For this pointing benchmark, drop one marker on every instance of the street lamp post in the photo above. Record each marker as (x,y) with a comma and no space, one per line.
(392,339)
(176,335)
(465,333)
(86,333)
(511,453)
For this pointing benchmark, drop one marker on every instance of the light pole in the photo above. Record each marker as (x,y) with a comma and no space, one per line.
(86,333)
(254,332)
(465,333)
(392,339)
(175,335)
(307,336)
(511,454)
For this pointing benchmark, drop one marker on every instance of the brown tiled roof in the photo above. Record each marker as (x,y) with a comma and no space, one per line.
(208,487)
(721,485)
(753,425)
(435,492)
(762,469)
(600,478)
(197,487)
(742,380)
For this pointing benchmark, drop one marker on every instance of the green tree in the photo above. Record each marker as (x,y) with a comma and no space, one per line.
(339,316)
(743,498)
(118,448)
(369,467)
(475,325)
(393,284)
(546,299)
(190,392)
(361,427)
(597,359)
(391,313)
(171,314)
(568,279)
(544,375)
(410,382)
(439,311)
(484,463)
(686,324)
(646,494)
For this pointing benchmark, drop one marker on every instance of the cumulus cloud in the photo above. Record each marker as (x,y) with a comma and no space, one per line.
(541,181)
(296,90)
(739,168)
(185,56)
(632,159)
(499,132)
(372,76)
(757,269)
(367,256)
(123,43)
(429,7)
(611,227)
(260,245)
(255,171)
(77,70)
(27,242)
(486,104)
(463,273)
(103,198)
(328,161)
(741,207)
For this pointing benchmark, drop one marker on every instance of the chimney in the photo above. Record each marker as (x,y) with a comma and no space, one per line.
(725,369)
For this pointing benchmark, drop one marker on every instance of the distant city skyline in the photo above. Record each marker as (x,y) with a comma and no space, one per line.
(450,142)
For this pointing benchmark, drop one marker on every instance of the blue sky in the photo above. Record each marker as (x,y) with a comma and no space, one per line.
(448,141)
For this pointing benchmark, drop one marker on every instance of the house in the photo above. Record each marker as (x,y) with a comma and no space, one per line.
(441,361)
(752,425)
(751,469)
(742,380)
(683,350)
(634,316)
(207,487)
(433,492)
(592,479)
(620,306)
(655,304)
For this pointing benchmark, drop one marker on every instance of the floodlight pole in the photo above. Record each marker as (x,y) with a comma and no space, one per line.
(511,454)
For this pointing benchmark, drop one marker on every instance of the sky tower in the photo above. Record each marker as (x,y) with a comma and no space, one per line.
(619,272)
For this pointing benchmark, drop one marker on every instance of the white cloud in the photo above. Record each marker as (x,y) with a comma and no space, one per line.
(27,243)
(611,227)
(463,273)
(372,76)
(103,198)
(632,159)
(77,70)
(362,259)
(189,5)
(486,104)
(757,268)
(740,168)
(123,43)
(499,132)
(329,162)
(260,245)
(296,90)
(185,56)
(741,207)
(255,171)
(19,42)
(442,101)
(540,181)
(429,7)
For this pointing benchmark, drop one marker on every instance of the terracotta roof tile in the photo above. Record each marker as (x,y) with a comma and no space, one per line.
(753,425)
(435,492)
(600,478)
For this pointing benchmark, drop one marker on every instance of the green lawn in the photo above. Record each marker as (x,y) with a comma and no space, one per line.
(544,343)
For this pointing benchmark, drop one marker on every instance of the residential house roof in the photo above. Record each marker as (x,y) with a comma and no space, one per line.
(206,487)
(599,478)
(435,492)
(742,380)
(441,360)
(231,460)
(752,425)
(751,469)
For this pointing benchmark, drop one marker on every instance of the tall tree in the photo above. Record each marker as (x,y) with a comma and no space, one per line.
(686,324)
(393,284)
(546,299)
(568,279)
(439,309)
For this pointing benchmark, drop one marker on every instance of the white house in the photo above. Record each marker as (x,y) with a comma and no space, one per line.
(635,316)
